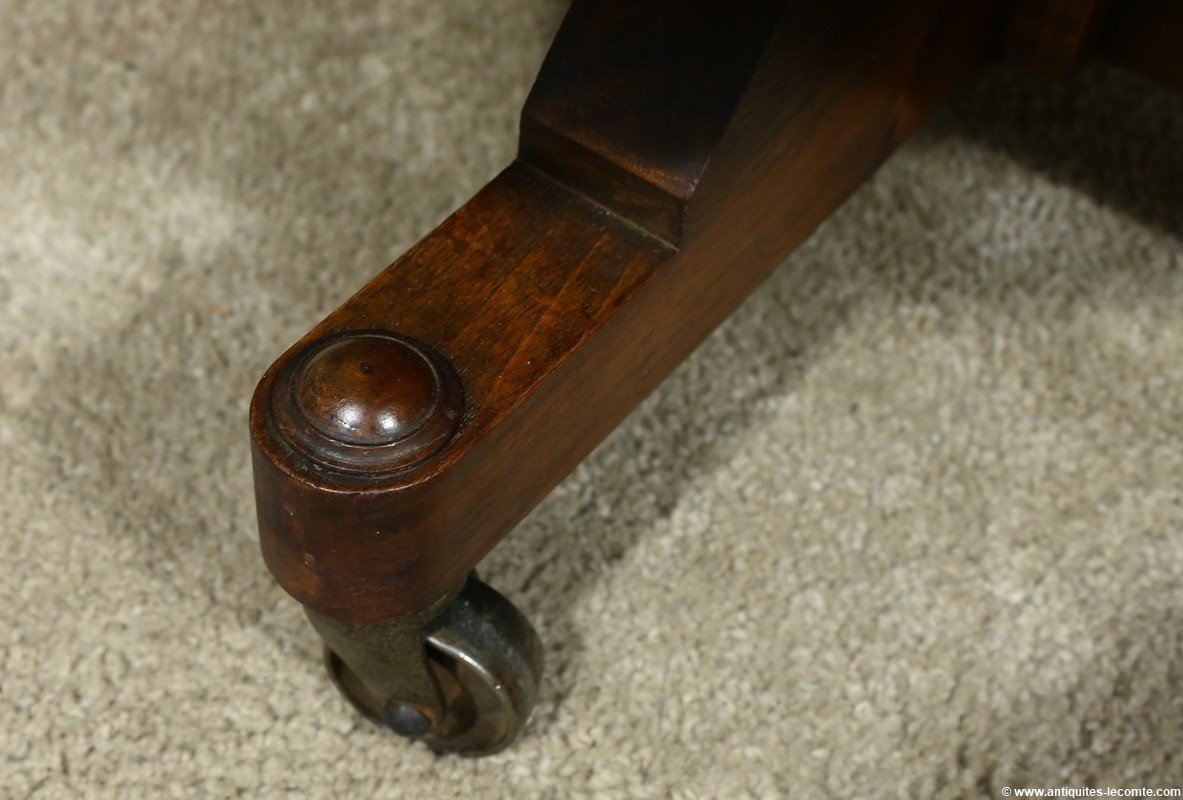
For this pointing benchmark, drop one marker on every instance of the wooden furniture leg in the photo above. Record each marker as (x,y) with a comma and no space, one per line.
(671,155)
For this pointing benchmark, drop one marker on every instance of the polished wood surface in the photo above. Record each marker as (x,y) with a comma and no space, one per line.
(671,155)
(369,402)
(670,160)
(368,390)
(634,97)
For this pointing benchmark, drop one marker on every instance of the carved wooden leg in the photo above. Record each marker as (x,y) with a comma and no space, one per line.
(672,154)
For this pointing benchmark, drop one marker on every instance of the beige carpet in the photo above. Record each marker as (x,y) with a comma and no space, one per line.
(910,524)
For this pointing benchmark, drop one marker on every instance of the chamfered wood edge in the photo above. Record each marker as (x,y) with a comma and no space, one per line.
(559,317)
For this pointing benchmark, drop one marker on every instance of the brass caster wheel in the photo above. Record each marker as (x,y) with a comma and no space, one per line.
(485,659)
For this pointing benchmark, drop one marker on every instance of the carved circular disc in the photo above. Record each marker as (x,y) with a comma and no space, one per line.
(369,390)
(368,401)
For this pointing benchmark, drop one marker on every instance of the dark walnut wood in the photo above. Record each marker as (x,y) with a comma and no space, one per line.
(368,389)
(672,154)
(366,402)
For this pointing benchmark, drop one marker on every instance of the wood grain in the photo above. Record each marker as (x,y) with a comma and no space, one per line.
(641,212)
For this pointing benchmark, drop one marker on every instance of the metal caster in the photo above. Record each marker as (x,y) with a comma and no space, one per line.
(461,676)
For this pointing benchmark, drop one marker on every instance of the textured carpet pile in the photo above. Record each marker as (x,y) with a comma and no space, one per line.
(909,524)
